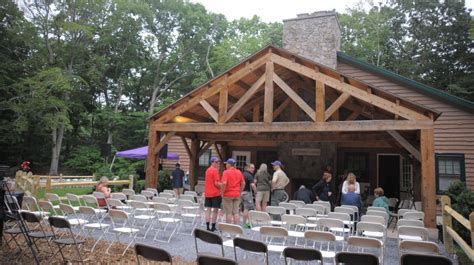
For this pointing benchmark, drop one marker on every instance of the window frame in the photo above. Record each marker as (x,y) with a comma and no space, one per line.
(462,169)
(208,151)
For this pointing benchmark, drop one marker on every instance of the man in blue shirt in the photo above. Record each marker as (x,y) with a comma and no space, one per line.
(351,198)
(177,180)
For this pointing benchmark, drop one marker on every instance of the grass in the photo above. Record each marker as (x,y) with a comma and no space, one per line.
(61,192)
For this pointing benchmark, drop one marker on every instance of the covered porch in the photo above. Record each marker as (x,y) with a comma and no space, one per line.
(276,104)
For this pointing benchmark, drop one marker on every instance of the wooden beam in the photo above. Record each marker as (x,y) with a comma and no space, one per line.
(219,153)
(353,91)
(256,113)
(241,117)
(353,115)
(152,159)
(336,104)
(295,97)
(194,99)
(186,146)
(407,145)
(268,100)
(281,108)
(210,109)
(335,126)
(193,163)
(205,147)
(223,101)
(237,106)
(428,176)
(320,102)
(156,149)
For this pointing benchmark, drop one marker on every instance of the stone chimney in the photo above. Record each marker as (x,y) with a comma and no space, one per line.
(316,36)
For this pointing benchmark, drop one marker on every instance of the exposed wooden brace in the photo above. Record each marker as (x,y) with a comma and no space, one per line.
(294,96)
(269,91)
(237,106)
(353,115)
(336,104)
(162,142)
(219,153)
(223,101)
(186,146)
(320,101)
(281,108)
(204,148)
(256,113)
(210,109)
(241,117)
(403,142)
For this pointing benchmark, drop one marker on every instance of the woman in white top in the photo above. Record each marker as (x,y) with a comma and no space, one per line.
(351,179)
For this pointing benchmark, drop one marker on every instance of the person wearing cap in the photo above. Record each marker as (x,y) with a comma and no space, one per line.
(212,194)
(177,180)
(247,198)
(232,185)
(279,182)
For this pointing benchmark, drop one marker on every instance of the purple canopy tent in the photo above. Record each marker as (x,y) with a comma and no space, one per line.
(141,153)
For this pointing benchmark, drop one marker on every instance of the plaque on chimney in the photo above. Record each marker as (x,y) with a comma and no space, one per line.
(306,151)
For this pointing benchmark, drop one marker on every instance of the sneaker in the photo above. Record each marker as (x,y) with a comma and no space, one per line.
(246,226)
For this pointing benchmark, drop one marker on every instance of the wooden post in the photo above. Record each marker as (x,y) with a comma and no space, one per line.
(47,189)
(447,222)
(268,99)
(320,102)
(193,163)
(152,160)
(428,181)
(61,177)
(471,219)
(130,184)
(36,185)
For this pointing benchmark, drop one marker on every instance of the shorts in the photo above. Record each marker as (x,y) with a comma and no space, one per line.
(277,197)
(262,196)
(213,202)
(231,205)
(247,200)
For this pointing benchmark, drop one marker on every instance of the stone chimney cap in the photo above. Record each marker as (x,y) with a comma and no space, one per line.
(313,15)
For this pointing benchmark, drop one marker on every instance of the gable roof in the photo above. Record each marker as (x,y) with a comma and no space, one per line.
(409,83)
(244,72)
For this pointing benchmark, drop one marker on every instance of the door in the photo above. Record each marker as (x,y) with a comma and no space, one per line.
(266,157)
(241,158)
(388,171)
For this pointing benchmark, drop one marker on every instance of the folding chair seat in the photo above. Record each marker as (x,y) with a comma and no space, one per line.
(417,259)
(289,207)
(47,206)
(346,210)
(258,219)
(412,233)
(326,205)
(90,200)
(346,220)
(128,192)
(118,204)
(39,232)
(213,260)
(374,230)
(373,219)
(152,253)
(230,230)
(270,233)
(190,214)
(326,240)
(405,222)
(350,258)
(32,206)
(165,218)
(74,201)
(302,254)
(420,247)
(142,216)
(207,237)
(334,225)
(121,225)
(275,213)
(298,203)
(383,214)
(70,240)
(359,244)
(13,232)
(148,194)
(94,223)
(72,218)
(307,213)
(253,247)
(414,216)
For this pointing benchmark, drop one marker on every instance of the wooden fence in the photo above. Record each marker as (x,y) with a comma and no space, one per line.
(30,184)
(448,232)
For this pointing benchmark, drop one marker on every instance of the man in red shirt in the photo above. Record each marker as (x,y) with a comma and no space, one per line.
(232,184)
(212,193)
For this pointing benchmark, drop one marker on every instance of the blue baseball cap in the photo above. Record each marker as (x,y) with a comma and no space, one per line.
(277,163)
(230,161)
(214,159)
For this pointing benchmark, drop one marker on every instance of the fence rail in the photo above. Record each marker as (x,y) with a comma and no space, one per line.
(49,185)
(448,232)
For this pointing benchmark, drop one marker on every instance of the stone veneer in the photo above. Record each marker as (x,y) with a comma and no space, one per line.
(316,36)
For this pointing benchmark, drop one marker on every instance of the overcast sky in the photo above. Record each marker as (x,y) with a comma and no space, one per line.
(278,10)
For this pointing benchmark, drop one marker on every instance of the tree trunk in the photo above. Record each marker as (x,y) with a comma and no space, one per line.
(57,140)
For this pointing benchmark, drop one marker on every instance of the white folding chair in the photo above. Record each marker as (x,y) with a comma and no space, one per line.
(74,220)
(346,220)
(405,222)
(410,246)
(165,218)
(118,196)
(334,225)
(148,194)
(94,223)
(142,217)
(271,234)
(54,199)
(90,200)
(190,214)
(359,244)
(275,212)
(138,197)
(121,225)
(383,214)
(373,219)
(289,207)
(375,208)
(295,225)
(258,219)
(128,192)
(74,201)
(32,206)
(414,216)
(118,204)
(298,203)
(414,233)
(374,230)
(47,206)
(355,209)
(230,230)
(308,214)
(326,240)
(325,204)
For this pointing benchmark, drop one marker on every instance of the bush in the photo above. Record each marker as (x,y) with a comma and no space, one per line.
(164,181)
(138,185)
(85,160)
(462,201)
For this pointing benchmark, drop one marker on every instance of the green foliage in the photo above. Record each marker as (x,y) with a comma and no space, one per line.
(164,181)
(462,201)
(139,185)
(85,160)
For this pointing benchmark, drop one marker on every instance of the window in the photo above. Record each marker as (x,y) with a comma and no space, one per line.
(205,158)
(407,175)
(241,159)
(449,168)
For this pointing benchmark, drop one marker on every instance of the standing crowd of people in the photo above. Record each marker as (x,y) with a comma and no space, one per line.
(235,192)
